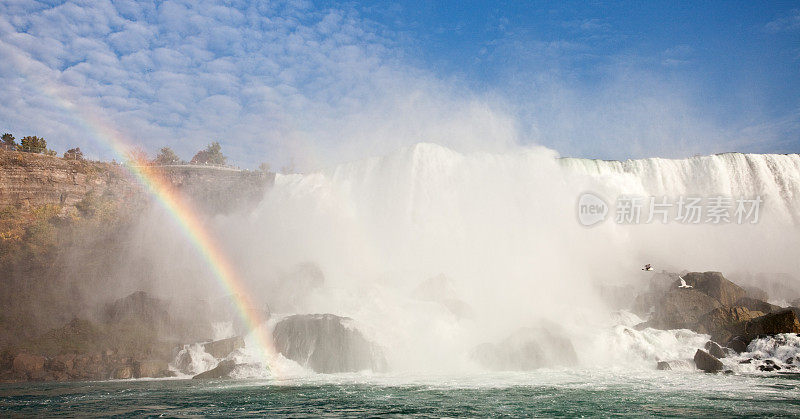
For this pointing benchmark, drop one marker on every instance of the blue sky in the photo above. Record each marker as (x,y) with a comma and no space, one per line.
(314,83)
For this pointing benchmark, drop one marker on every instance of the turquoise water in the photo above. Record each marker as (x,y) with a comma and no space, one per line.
(564,393)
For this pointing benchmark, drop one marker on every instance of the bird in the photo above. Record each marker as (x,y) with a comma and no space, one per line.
(683,283)
(647,267)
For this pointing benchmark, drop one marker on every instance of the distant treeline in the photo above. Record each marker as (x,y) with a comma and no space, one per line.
(211,155)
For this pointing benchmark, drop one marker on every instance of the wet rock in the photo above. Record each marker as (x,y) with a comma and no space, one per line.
(715,350)
(784,321)
(738,344)
(527,349)
(663,365)
(714,285)
(222,370)
(326,343)
(746,361)
(222,348)
(681,309)
(722,323)
(757,305)
(707,362)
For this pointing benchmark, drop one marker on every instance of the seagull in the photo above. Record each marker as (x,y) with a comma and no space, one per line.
(683,283)
(647,267)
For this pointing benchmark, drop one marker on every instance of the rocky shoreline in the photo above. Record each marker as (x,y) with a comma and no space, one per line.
(711,304)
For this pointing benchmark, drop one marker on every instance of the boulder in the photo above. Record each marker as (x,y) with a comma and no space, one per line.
(681,309)
(724,322)
(28,364)
(714,285)
(707,362)
(784,321)
(527,349)
(326,343)
(222,348)
(675,364)
(222,370)
(715,350)
(757,305)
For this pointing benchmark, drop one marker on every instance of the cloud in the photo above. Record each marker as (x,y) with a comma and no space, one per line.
(269,81)
(784,24)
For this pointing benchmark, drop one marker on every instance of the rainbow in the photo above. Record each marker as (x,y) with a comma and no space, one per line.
(162,190)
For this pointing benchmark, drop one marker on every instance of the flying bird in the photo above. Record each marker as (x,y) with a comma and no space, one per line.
(683,283)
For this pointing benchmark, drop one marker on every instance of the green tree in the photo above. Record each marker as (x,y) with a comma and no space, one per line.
(211,155)
(166,156)
(74,154)
(33,144)
(9,141)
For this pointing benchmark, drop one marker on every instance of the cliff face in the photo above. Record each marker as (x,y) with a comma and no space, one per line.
(34,180)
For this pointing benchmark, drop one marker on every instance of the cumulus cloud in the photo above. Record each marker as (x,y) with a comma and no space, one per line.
(277,82)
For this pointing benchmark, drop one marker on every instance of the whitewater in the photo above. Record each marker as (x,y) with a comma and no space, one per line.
(433,252)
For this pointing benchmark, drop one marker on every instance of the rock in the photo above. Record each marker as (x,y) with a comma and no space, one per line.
(757,305)
(222,370)
(738,344)
(222,348)
(326,343)
(714,285)
(706,361)
(784,321)
(122,373)
(663,365)
(150,368)
(715,350)
(722,323)
(28,364)
(62,362)
(755,293)
(527,349)
(681,309)
(139,307)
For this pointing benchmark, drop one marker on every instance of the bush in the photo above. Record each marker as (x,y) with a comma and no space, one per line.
(74,154)
(211,155)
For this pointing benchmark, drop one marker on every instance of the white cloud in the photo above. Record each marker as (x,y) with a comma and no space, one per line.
(276,79)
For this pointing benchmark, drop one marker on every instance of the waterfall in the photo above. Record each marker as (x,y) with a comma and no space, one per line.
(503,229)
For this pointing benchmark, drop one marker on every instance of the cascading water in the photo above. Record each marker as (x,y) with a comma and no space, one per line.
(501,233)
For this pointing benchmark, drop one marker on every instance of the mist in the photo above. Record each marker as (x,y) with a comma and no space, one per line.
(403,238)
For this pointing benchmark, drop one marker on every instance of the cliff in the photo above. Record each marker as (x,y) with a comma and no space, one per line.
(36,180)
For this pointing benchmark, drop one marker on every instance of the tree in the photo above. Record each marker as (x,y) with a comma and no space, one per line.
(166,156)
(9,141)
(211,155)
(74,154)
(137,156)
(264,167)
(33,144)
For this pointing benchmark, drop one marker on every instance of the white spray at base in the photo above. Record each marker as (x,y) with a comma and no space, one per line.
(503,230)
